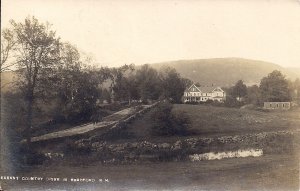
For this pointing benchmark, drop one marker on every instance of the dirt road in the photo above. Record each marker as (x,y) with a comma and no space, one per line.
(107,121)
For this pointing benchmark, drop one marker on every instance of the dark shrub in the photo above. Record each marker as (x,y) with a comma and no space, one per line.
(162,119)
(72,148)
(181,122)
(76,117)
(168,123)
(217,103)
(58,118)
(233,102)
(30,156)
(119,132)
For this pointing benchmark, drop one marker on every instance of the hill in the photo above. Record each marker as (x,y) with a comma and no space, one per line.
(219,71)
(296,71)
(225,71)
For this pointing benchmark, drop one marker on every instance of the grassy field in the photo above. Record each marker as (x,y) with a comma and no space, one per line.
(210,121)
(270,172)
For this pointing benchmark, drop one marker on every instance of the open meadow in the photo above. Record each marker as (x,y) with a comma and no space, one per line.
(211,121)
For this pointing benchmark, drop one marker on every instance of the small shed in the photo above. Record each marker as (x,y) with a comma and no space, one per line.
(277,105)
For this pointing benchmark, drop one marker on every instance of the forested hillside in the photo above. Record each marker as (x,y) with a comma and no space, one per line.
(225,71)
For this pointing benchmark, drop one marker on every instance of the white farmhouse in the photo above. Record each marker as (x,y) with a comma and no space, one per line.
(203,94)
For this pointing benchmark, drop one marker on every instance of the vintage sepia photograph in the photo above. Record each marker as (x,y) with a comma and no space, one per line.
(150,95)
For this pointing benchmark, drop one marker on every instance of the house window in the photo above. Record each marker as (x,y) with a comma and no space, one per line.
(277,105)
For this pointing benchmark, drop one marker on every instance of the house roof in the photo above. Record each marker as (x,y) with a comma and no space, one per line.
(208,89)
(204,89)
(193,85)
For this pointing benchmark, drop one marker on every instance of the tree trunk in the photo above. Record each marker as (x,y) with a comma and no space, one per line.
(0,98)
(29,118)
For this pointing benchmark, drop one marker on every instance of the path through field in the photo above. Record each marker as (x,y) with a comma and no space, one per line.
(107,121)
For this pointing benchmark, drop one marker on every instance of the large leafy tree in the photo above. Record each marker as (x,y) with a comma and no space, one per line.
(37,57)
(124,83)
(78,85)
(68,75)
(148,83)
(117,78)
(239,90)
(187,82)
(125,89)
(83,101)
(253,95)
(275,87)
(173,85)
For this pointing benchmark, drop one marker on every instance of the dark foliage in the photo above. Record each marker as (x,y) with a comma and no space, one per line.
(275,87)
(239,90)
(71,148)
(232,102)
(168,123)
(173,85)
(29,156)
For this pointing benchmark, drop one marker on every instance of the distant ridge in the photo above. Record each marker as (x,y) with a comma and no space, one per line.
(225,71)
(222,72)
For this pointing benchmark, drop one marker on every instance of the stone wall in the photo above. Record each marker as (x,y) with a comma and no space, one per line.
(281,141)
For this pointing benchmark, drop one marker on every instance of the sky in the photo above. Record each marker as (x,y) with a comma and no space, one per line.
(149,31)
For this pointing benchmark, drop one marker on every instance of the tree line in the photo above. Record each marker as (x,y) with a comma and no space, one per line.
(272,88)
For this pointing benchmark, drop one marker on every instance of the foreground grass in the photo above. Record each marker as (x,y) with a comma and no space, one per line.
(270,172)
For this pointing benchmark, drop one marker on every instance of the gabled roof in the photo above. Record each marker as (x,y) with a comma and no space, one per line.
(204,89)
(193,86)
(216,88)
(207,89)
